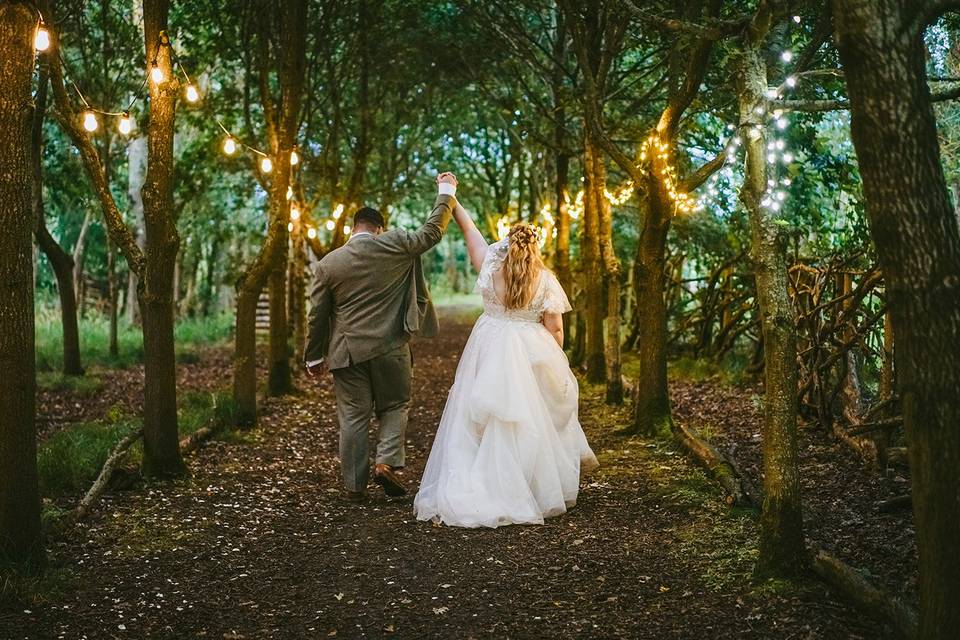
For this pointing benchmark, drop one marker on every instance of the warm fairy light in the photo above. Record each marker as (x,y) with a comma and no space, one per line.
(266,165)
(289,193)
(621,196)
(311,233)
(338,212)
(786,56)
(791,81)
(290,227)
(125,124)
(346,229)
(192,94)
(156,74)
(796,19)
(90,121)
(41,41)
(331,225)
(576,209)
(229,146)
(294,213)
(294,158)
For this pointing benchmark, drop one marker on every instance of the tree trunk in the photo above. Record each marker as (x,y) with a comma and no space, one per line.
(652,408)
(611,283)
(594,309)
(136,172)
(20,534)
(60,261)
(282,130)
(279,379)
(915,230)
(297,299)
(782,551)
(161,451)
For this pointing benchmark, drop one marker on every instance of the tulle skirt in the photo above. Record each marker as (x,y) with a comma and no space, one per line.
(509,449)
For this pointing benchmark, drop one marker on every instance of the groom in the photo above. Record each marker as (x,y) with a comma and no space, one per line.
(368,298)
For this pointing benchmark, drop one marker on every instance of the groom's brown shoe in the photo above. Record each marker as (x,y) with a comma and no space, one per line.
(355,496)
(384,476)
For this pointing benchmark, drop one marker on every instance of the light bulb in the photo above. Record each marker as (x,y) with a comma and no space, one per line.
(290,227)
(771,158)
(780,145)
(787,158)
(786,56)
(781,123)
(346,229)
(338,211)
(125,125)
(311,233)
(90,121)
(229,146)
(791,81)
(192,94)
(330,225)
(41,42)
(156,74)
(772,94)
(289,193)
(796,19)
(294,158)
(266,165)
(294,213)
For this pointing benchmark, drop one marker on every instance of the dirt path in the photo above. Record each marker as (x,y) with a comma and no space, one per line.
(257,543)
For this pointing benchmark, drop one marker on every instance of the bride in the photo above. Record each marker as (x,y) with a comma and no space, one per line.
(509,449)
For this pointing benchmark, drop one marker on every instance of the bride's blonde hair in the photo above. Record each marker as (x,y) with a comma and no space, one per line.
(522,265)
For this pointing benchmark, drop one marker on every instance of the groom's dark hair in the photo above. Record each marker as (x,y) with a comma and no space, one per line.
(370,216)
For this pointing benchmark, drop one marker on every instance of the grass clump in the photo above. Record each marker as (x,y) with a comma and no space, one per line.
(86,385)
(190,335)
(69,460)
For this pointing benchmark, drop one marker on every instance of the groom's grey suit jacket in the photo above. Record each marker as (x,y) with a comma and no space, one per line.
(370,295)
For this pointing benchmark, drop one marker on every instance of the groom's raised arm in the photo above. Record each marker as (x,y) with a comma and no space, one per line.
(320,318)
(427,236)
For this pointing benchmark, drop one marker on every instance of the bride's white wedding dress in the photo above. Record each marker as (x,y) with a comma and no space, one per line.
(509,449)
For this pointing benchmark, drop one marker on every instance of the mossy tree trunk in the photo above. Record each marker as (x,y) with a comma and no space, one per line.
(782,551)
(917,236)
(20,534)
(289,60)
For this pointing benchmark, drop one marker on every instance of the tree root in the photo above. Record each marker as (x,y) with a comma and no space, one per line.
(854,587)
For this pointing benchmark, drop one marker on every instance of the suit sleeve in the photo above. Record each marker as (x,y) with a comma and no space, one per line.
(427,236)
(320,318)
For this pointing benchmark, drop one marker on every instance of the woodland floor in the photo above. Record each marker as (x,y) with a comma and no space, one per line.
(258,543)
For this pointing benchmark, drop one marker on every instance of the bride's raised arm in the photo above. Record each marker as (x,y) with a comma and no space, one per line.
(476,244)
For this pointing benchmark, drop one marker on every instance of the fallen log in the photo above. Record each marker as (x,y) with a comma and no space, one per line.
(192,442)
(873,601)
(100,484)
(895,504)
(740,491)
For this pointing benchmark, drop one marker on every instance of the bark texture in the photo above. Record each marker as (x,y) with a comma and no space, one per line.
(915,230)
(161,451)
(20,535)
(782,551)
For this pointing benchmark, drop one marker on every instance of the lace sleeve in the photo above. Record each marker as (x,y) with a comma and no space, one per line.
(554,298)
(496,253)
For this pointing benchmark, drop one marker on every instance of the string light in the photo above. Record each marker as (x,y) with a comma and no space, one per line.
(125,124)
(266,164)
(156,74)
(330,225)
(229,146)
(192,94)
(311,233)
(289,193)
(294,213)
(346,229)
(338,212)
(41,41)
(786,56)
(90,121)
(290,227)
(294,158)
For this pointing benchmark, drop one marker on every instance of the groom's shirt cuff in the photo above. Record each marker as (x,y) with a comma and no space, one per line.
(447,189)
(313,363)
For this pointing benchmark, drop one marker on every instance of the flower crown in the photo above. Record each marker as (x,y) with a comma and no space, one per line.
(524,234)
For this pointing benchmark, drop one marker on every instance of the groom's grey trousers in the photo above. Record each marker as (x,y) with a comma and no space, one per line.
(379,386)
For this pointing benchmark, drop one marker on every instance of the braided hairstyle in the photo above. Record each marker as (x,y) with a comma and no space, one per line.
(522,265)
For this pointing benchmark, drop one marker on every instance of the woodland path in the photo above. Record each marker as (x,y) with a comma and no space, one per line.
(258,543)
